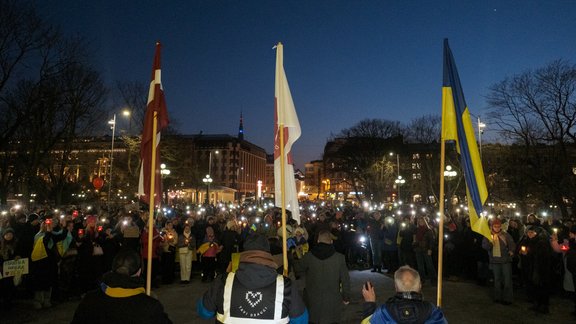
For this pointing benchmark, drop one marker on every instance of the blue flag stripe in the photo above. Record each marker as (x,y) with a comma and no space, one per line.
(452,80)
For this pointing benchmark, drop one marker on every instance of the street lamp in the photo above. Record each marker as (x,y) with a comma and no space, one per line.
(164,172)
(481,127)
(112,124)
(207,180)
(450,174)
(210,161)
(126,113)
(399,181)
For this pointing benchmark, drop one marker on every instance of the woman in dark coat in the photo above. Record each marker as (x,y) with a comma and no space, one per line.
(538,257)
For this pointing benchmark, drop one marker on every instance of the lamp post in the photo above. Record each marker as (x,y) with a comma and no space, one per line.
(164,172)
(450,174)
(111,122)
(399,181)
(207,180)
(481,127)
(126,113)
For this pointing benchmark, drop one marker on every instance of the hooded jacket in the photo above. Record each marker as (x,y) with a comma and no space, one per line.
(327,283)
(256,277)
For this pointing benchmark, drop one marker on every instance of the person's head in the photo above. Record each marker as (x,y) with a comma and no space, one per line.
(8,234)
(496,225)
(407,279)
(127,263)
(231,225)
(325,237)
(256,242)
(33,219)
(422,221)
(377,215)
(572,232)
(533,231)
(210,233)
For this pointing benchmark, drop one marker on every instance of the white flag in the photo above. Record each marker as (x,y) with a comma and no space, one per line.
(285,115)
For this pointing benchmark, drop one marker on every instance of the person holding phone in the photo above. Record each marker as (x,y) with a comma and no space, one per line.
(406,306)
(44,265)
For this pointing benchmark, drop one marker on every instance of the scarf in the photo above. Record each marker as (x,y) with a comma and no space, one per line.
(257,257)
(496,246)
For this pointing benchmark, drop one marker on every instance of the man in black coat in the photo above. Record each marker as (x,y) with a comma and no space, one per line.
(255,292)
(121,297)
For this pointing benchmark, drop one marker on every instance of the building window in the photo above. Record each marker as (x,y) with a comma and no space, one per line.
(416,176)
(415,166)
(416,156)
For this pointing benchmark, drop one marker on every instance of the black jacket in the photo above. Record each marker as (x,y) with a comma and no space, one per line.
(253,276)
(120,299)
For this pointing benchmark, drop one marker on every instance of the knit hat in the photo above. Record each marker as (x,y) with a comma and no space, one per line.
(32,217)
(256,242)
(534,228)
(126,262)
(8,230)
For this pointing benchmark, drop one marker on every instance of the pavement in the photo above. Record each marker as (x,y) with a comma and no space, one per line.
(463,302)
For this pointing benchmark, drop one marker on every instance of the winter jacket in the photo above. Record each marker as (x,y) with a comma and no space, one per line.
(507,245)
(120,299)
(327,283)
(252,281)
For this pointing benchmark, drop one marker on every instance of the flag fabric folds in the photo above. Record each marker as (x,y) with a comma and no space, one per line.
(285,115)
(457,126)
(156,104)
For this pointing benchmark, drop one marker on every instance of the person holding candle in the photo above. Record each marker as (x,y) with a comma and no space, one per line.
(501,250)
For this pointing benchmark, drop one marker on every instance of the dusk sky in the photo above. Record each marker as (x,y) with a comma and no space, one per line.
(345,60)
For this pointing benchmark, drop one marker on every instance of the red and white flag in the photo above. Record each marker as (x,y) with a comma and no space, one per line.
(156,104)
(285,115)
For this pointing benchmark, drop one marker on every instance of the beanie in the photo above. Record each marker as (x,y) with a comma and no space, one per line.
(256,242)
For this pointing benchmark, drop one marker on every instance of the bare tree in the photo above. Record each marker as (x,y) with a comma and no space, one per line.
(425,129)
(361,153)
(537,109)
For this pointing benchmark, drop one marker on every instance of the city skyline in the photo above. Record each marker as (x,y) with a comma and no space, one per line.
(345,61)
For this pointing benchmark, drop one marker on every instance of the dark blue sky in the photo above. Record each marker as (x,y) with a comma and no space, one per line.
(345,60)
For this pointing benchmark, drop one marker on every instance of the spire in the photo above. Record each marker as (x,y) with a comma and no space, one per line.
(241,128)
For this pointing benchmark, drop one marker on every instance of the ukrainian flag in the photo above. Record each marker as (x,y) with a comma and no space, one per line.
(457,126)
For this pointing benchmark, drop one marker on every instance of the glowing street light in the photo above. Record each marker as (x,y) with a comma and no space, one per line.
(112,124)
(164,172)
(207,180)
(399,181)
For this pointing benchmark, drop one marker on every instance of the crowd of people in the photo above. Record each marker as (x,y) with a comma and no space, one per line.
(70,250)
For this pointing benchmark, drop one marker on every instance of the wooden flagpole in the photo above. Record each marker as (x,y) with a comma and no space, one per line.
(441,223)
(151,204)
(283,195)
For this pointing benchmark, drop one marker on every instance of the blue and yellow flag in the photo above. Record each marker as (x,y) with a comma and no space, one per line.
(457,126)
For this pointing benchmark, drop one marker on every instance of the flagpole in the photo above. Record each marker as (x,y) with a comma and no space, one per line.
(441,223)
(151,204)
(283,195)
